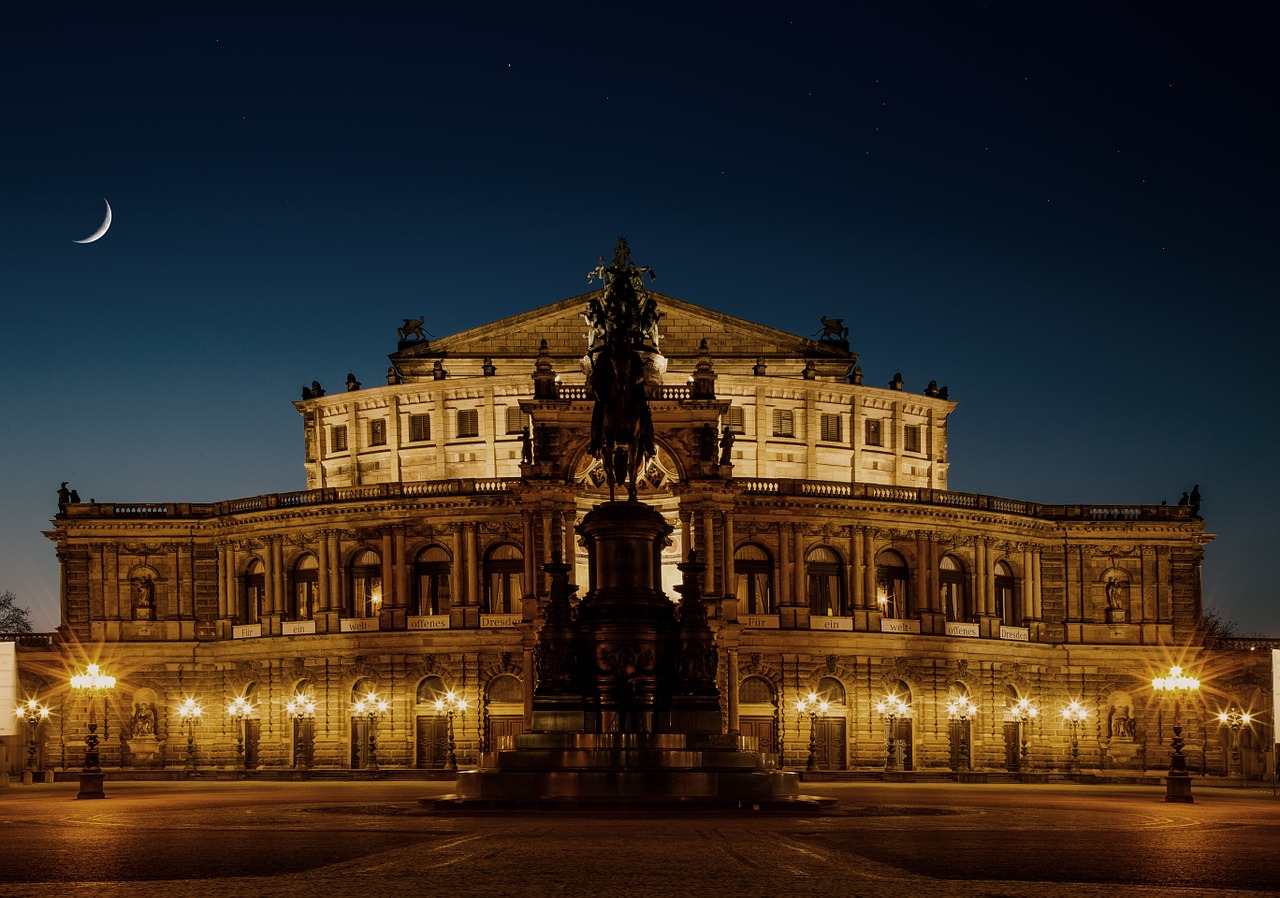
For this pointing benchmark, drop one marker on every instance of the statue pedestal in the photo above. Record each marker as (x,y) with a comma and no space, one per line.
(144,751)
(1116,616)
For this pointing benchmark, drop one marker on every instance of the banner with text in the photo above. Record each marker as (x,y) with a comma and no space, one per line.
(8,688)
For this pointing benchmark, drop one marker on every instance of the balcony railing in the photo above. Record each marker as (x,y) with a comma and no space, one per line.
(751,485)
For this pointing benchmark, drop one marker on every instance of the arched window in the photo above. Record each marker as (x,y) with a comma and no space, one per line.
(831,691)
(366,584)
(754,570)
(1006,597)
(955,591)
(430,689)
(302,594)
(432,576)
(891,584)
(503,579)
(755,691)
(824,582)
(506,688)
(252,592)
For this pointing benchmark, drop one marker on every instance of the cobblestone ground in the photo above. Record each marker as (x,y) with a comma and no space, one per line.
(371,839)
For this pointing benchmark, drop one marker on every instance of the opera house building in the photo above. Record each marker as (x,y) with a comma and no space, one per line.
(865,616)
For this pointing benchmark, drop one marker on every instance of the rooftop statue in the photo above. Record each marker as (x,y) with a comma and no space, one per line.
(625,319)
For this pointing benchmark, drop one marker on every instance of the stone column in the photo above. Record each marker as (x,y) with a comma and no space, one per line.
(400,564)
(709,552)
(473,574)
(686,534)
(869,571)
(728,577)
(732,685)
(224,603)
(548,528)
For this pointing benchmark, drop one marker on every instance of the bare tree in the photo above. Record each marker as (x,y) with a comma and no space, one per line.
(13,617)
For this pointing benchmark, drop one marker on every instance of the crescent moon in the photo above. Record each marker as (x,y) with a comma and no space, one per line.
(102,228)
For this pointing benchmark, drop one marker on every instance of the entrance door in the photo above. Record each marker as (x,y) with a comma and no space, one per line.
(252,731)
(303,740)
(761,727)
(433,742)
(359,743)
(1012,746)
(829,744)
(501,728)
(904,746)
(959,731)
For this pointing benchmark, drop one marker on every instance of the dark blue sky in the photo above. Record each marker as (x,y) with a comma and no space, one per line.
(1066,213)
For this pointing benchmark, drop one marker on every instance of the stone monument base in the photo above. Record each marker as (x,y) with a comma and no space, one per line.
(630,770)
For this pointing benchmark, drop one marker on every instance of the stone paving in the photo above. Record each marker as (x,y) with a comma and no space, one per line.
(883,840)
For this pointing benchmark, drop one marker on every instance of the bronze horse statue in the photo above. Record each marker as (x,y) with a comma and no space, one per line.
(621,424)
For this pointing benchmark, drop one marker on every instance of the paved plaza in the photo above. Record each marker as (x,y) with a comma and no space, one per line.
(374,838)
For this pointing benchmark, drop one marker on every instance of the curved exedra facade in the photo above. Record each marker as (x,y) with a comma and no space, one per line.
(838,563)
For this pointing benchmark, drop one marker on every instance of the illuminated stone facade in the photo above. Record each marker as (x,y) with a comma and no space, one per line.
(838,563)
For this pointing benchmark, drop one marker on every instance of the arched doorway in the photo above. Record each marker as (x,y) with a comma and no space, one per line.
(830,728)
(758,712)
(431,727)
(504,711)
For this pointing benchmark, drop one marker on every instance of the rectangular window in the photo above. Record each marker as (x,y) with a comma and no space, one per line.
(831,428)
(875,436)
(515,419)
(419,428)
(378,432)
(783,423)
(735,420)
(338,438)
(911,438)
(468,423)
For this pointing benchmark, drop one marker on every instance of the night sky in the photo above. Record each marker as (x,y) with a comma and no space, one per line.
(1066,213)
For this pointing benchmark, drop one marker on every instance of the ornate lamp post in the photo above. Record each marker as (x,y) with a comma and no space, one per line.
(1177,784)
(891,708)
(449,704)
(371,707)
(302,710)
(814,706)
(189,712)
(1073,715)
(95,682)
(34,714)
(1025,712)
(239,709)
(959,710)
(1233,719)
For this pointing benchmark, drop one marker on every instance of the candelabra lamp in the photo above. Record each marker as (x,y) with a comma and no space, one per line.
(34,714)
(239,710)
(1233,719)
(891,709)
(1074,714)
(959,710)
(95,682)
(1178,686)
(189,712)
(451,703)
(812,705)
(302,710)
(371,707)
(1025,712)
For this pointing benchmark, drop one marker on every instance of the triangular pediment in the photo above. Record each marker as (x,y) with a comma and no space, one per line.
(683,327)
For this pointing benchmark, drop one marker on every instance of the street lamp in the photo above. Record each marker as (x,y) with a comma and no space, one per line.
(890,709)
(450,703)
(1233,719)
(372,708)
(1073,715)
(189,711)
(239,709)
(34,714)
(1177,784)
(959,710)
(95,682)
(1026,712)
(814,706)
(302,710)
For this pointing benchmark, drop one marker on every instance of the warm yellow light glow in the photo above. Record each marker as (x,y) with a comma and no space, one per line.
(240,707)
(892,706)
(32,710)
(301,706)
(190,709)
(1175,682)
(370,705)
(1074,712)
(1025,710)
(94,679)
